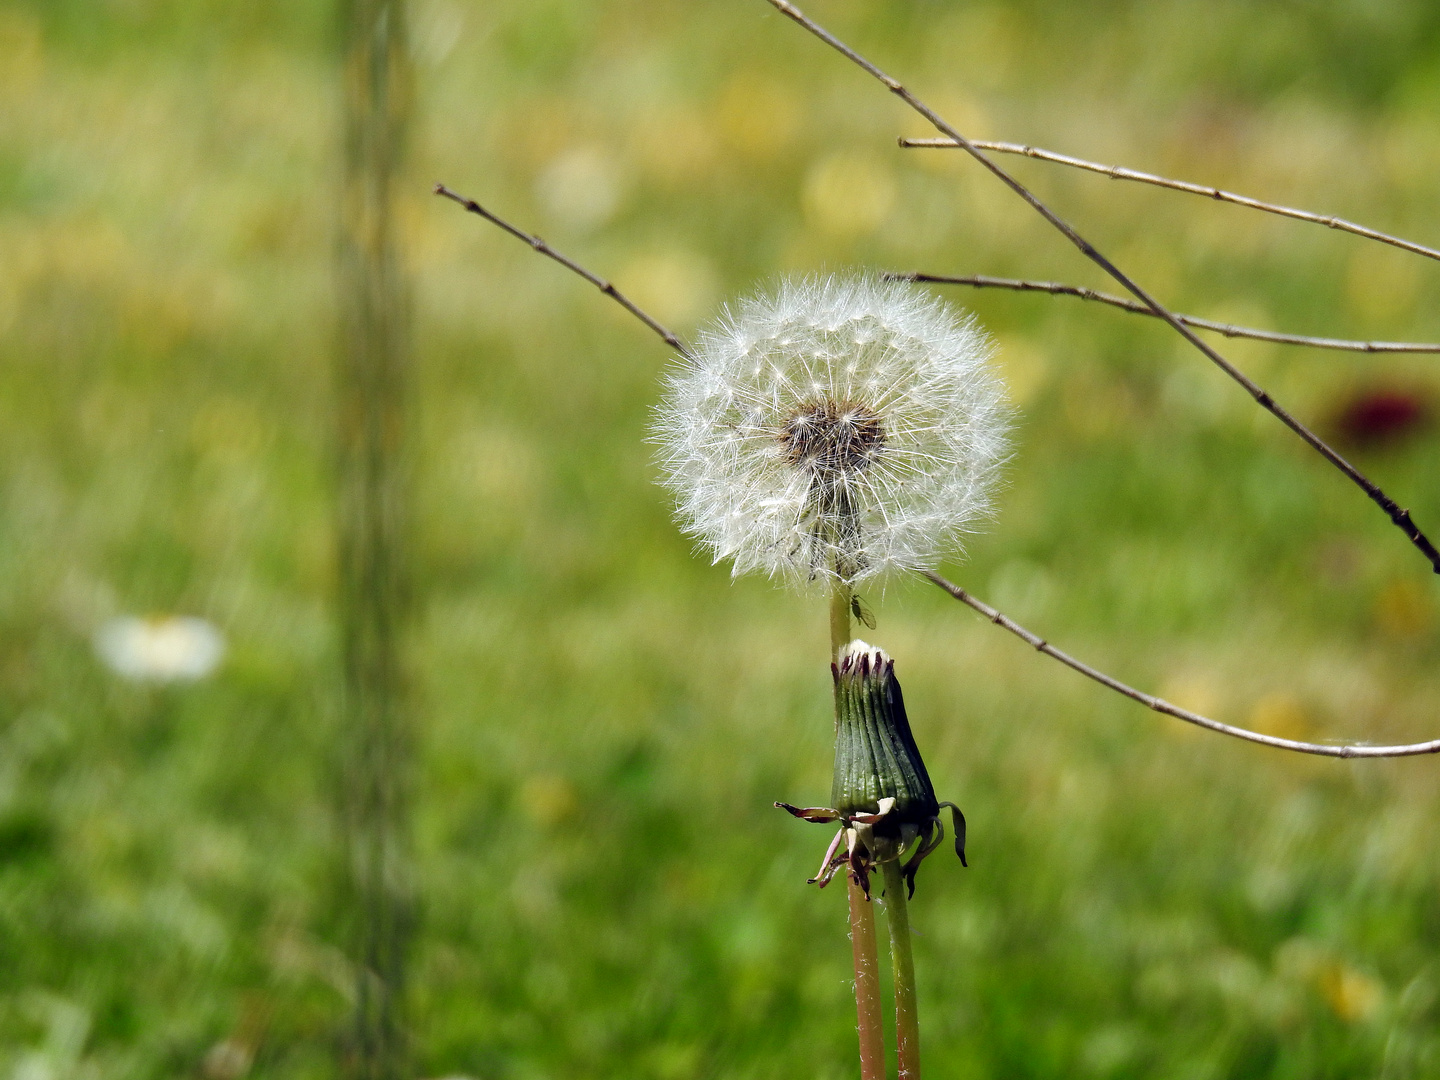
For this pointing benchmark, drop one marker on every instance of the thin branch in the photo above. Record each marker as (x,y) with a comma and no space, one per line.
(1160,705)
(570,264)
(1117,172)
(956,591)
(1055,288)
(1398,516)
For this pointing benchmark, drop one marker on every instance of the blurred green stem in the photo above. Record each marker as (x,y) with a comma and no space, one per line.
(902,962)
(372,553)
(862,912)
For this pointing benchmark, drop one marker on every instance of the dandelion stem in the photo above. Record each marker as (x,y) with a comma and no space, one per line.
(1399,516)
(841,597)
(902,962)
(1160,705)
(867,983)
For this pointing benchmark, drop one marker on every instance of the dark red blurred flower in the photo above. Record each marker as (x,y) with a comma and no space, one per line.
(1382,417)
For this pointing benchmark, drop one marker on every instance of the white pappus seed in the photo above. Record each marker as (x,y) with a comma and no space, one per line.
(834,427)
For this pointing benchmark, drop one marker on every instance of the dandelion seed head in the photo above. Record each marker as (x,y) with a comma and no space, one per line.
(834,427)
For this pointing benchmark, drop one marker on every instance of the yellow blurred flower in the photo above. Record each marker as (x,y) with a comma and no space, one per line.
(548,799)
(1282,715)
(1404,609)
(676,284)
(1353,995)
(1382,284)
(757,116)
(848,194)
(22,57)
(674,145)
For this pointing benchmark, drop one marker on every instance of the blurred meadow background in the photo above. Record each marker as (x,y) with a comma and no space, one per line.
(602,720)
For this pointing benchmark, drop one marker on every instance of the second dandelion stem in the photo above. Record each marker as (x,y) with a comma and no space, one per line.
(902,961)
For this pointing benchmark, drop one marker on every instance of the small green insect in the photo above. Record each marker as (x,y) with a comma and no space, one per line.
(862,613)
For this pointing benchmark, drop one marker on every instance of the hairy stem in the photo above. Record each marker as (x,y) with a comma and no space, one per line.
(841,597)
(867,983)
(902,962)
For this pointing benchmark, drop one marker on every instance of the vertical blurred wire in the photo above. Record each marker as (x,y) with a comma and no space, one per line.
(371,386)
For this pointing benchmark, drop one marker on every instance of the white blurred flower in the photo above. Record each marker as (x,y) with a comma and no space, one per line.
(582,187)
(161,648)
(834,427)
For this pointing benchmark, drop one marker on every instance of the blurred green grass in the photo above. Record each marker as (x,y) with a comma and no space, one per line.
(605,719)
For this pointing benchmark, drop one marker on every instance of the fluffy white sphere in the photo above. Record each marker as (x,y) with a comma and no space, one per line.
(834,427)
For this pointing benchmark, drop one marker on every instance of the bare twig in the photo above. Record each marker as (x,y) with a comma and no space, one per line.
(1398,516)
(1162,706)
(570,264)
(960,594)
(1116,172)
(1055,288)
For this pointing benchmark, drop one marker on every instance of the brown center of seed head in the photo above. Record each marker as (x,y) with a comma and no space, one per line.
(832,438)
